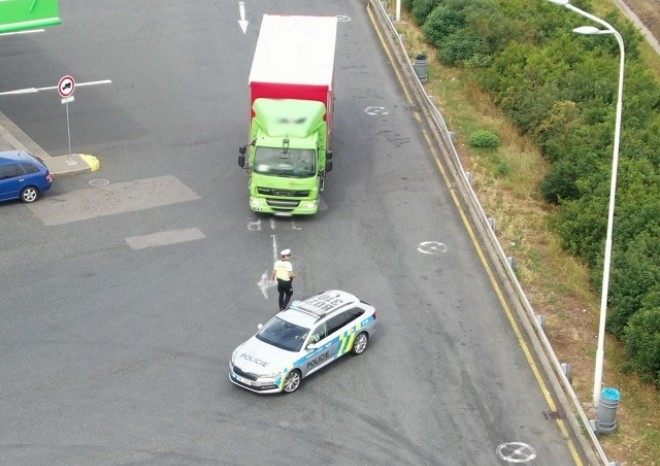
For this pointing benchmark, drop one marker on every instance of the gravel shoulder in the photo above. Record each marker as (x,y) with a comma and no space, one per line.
(645,14)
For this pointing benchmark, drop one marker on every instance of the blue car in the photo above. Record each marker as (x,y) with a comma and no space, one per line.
(22,176)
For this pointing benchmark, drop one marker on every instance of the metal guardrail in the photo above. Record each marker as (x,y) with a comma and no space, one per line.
(535,332)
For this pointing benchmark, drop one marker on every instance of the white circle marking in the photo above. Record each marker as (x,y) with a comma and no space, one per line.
(376,111)
(516,452)
(432,247)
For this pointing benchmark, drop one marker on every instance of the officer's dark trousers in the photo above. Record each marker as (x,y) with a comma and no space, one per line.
(285,290)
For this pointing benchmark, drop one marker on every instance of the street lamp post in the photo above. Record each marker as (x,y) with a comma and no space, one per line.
(600,352)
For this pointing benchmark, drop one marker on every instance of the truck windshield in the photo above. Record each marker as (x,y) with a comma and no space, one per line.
(299,163)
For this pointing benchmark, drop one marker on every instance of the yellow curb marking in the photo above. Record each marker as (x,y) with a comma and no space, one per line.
(92,161)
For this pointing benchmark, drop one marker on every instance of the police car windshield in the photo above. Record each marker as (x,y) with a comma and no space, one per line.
(278,332)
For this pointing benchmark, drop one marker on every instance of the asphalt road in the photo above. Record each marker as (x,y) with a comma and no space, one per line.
(116,353)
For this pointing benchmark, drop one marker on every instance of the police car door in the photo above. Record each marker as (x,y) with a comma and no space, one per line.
(323,351)
(344,327)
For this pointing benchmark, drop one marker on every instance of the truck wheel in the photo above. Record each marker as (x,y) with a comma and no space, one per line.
(292,381)
(360,343)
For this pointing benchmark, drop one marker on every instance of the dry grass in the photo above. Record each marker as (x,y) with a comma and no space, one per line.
(556,283)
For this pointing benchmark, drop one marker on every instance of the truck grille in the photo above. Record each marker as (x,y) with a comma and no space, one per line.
(282,203)
(282,192)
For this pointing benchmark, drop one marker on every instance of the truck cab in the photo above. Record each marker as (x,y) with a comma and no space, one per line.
(287,158)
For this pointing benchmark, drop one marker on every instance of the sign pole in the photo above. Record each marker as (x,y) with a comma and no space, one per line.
(65,87)
(68,128)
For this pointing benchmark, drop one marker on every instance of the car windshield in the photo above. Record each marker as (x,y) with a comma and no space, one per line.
(278,332)
(298,163)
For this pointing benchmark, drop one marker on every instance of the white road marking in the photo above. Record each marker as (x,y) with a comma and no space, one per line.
(516,452)
(265,282)
(165,238)
(254,226)
(274,248)
(432,247)
(34,90)
(117,198)
(30,31)
(376,111)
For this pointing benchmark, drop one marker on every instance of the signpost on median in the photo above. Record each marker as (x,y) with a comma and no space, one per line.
(66,87)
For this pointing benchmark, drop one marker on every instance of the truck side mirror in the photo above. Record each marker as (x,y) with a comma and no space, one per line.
(241,157)
(328,155)
(328,166)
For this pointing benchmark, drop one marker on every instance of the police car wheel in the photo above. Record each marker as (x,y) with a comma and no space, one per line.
(292,381)
(360,343)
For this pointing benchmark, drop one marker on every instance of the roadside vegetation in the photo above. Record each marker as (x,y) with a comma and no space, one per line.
(532,106)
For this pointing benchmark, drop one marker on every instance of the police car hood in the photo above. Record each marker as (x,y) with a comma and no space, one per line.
(258,357)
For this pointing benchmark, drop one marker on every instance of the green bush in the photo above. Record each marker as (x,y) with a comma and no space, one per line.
(484,139)
(643,344)
(460,47)
(502,169)
(467,33)
(407,4)
(635,277)
(421,9)
(441,23)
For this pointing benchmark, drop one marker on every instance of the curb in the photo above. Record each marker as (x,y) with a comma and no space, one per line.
(74,163)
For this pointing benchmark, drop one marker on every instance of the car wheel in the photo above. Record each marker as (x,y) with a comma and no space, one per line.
(292,381)
(29,194)
(360,343)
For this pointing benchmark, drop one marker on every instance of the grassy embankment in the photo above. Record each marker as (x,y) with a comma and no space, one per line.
(556,284)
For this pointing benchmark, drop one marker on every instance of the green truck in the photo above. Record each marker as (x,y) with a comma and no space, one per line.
(288,154)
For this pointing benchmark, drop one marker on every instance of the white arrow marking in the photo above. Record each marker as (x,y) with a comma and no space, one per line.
(265,282)
(242,22)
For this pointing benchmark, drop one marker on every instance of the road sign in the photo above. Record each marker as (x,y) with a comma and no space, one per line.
(66,86)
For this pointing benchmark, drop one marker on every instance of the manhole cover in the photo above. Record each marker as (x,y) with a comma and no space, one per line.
(97,182)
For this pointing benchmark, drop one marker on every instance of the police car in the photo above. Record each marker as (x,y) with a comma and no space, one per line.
(302,339)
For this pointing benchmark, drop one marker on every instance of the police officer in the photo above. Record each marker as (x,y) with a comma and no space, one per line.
(283,273)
